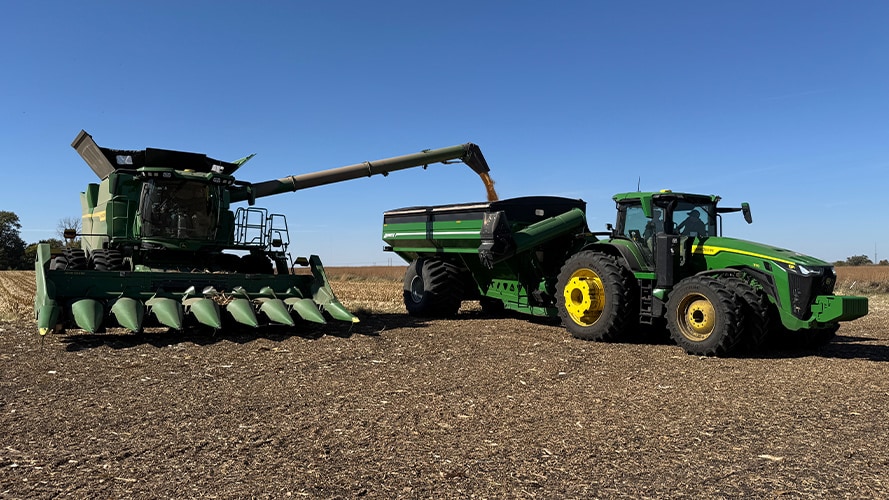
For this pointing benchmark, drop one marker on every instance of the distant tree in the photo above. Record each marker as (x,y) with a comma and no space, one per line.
(69,223)
(12,247)
(884,262)
(31,250)
(858,260)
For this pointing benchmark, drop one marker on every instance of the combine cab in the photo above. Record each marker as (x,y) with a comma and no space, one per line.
(162,244)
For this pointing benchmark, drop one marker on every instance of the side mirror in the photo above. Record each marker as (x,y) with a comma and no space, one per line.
(745,209)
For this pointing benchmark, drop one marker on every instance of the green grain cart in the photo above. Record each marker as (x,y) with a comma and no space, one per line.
(664,259)
(162,244)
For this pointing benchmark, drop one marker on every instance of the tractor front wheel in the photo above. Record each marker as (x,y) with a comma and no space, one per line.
(593,296)
(704,316)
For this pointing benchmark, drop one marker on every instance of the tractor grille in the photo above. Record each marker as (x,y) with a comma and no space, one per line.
(804,289)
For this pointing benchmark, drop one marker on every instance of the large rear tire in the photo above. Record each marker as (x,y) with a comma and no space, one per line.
(705,317)
(593,296)
(432,287)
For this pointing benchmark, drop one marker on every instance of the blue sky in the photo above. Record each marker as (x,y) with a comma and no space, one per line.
(783,104)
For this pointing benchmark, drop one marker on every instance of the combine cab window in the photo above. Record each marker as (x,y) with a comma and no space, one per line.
(179,210)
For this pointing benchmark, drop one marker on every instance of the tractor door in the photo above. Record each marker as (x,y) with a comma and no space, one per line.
(641,229)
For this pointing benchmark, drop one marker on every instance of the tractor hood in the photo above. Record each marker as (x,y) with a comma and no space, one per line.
(719,245)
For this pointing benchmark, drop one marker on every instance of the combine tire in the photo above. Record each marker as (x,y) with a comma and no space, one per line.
(106,260)
(756,312)
(71,258)
(255,264)
(432,287)
(705,317)
(593,296)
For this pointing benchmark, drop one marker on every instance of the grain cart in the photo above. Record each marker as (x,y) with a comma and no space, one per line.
(664,259)
(162,244)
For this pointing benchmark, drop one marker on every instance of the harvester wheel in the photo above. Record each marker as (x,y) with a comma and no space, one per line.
(106,260)
(432,287)
(256,264)
(70,258)
(704,316)
(593,296)
(756,312)
(58,263)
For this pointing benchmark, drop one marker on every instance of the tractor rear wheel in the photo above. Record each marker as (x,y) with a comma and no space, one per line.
(704,316)
(432,287)
(593,296)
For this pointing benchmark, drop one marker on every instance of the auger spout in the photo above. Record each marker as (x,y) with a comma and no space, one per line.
(468,153)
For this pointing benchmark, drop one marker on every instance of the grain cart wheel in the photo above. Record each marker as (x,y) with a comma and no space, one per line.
(755,306)
(593,296)
(432,287)
(704,316)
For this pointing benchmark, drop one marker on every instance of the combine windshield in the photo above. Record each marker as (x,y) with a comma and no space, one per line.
(179,209)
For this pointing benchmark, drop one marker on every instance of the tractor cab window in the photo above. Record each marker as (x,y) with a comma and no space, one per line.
(634,221)
(694,219)
(179,209)
(633,224)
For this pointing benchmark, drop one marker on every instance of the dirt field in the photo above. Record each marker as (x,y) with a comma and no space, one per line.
(476,407)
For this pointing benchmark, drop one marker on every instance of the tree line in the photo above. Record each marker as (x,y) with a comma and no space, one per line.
(860,260)
(15,253)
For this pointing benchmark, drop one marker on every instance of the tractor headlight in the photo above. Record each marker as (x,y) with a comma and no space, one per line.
(809,271)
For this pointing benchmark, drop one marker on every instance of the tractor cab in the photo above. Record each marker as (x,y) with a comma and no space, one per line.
(643,216)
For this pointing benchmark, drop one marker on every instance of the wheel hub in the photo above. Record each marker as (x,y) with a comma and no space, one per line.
(697,317)
(417,289)
(584,297)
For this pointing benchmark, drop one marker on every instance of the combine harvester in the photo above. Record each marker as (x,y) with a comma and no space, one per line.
(665,259)
(161,244)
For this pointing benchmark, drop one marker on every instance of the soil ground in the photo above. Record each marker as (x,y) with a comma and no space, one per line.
(476,407)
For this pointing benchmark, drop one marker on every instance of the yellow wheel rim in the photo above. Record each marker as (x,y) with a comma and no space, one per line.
(584,297)
(696,317)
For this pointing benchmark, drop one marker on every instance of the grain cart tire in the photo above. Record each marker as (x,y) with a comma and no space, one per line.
(593,296)
(705,317)
(432,287)
(755,306)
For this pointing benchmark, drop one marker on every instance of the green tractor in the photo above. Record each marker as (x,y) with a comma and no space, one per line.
(665,260)
(162,244)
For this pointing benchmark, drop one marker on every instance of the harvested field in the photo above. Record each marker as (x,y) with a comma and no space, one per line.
(395,407)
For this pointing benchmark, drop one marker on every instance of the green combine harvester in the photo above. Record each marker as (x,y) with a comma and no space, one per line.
(665,260)
(162,245)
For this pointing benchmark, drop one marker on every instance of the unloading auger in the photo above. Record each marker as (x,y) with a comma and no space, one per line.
(161,244)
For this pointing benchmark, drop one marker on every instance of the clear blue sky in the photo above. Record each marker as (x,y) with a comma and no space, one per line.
(784,104)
